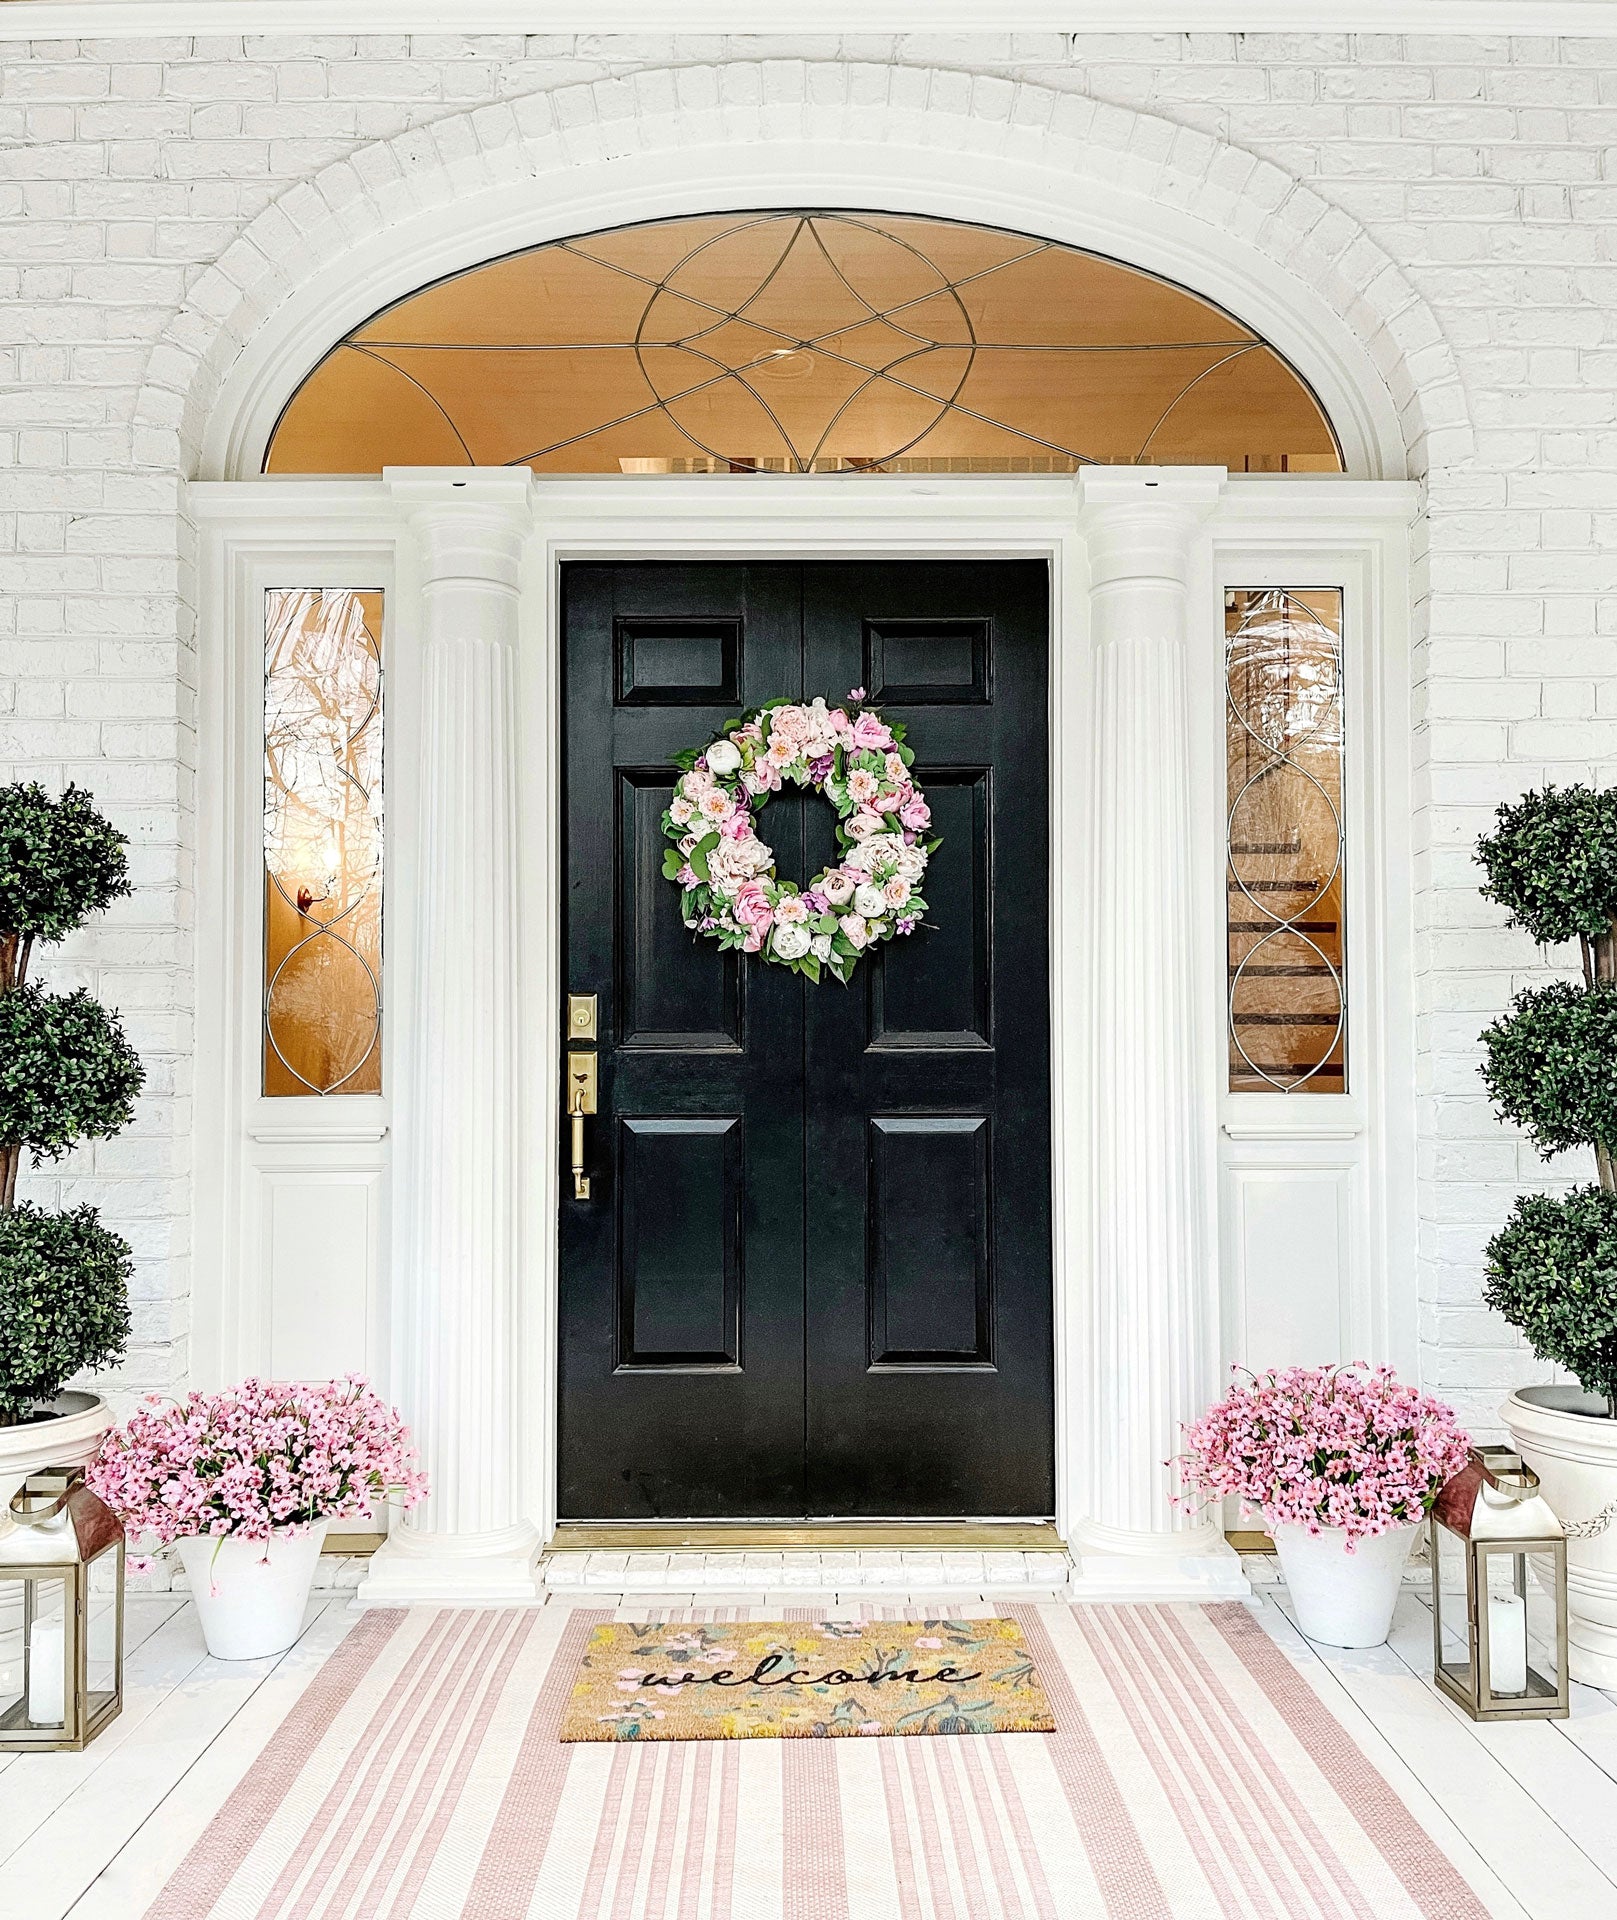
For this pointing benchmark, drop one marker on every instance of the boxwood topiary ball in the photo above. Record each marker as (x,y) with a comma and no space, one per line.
(64,1283)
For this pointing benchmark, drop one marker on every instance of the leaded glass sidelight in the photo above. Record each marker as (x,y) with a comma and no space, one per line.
(1285,847)
(802,341)
(322,841)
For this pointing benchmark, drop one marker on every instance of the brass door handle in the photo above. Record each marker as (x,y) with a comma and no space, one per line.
(580,1101)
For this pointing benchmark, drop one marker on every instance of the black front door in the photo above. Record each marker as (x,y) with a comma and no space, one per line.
(812,1277)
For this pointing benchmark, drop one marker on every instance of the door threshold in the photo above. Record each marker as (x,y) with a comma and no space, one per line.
(775,1536)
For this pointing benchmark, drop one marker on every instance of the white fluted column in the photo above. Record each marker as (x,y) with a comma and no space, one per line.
(456,1172)
(1150,1330)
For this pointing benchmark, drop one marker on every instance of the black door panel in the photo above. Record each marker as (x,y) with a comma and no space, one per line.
(813,1275)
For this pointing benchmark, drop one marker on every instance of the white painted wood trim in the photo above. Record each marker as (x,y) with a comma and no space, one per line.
(241,1138)
(715,517)
(103,19)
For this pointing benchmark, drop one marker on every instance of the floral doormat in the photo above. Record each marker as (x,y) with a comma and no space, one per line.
(779,1679)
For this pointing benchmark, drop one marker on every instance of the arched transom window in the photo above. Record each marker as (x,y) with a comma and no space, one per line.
(802,342)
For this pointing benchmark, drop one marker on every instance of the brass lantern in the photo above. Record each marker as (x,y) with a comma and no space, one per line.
(1490,1526)
(62,1582)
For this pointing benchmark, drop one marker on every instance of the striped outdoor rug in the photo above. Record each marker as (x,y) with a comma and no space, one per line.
(1193,1774)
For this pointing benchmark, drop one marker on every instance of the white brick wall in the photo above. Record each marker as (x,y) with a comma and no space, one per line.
(1456,197)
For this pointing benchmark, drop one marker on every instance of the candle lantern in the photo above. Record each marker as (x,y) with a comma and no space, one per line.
(61,1615)
(1490,1527)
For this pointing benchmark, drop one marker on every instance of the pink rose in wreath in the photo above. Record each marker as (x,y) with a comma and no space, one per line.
(752,909)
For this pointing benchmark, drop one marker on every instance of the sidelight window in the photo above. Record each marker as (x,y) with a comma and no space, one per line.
(323,849)
(1284,840)
(804,341)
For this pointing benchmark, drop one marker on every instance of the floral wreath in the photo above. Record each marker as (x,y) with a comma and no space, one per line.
(727,873)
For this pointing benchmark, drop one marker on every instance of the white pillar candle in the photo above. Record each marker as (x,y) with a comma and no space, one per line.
(47,1706)
(1507,1643)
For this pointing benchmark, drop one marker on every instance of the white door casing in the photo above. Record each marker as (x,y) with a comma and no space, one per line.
(1144,1310)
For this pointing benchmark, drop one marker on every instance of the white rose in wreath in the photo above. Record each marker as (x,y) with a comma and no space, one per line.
(870,901)
(723,758)
(792,940)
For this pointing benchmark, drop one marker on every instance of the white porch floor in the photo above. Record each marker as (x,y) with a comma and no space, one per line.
(1528,1813)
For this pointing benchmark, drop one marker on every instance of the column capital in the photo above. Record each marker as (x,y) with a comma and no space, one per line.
(1196,489)
(461,487)
(1140,521)
(470,522)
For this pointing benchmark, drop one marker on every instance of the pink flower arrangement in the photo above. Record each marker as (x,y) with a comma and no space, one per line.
(268,1457)
(1317,1447)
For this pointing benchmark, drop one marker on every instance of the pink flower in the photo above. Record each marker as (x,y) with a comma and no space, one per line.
(915,814)
(738,826)
(752,910)
(753,941)
(841,725)
(1317,1447)
(269,1457)
(868,731)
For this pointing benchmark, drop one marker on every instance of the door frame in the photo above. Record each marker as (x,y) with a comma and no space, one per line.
(342,530)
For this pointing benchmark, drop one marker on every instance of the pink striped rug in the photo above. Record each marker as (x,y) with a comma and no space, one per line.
(1194,1775)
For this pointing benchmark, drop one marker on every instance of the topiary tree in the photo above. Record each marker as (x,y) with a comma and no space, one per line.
(1551,1065)
(66,1074)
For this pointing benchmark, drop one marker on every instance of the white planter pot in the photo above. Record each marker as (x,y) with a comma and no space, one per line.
(1565,1437)
(1343,1599)
(69,1437)
(250,1594)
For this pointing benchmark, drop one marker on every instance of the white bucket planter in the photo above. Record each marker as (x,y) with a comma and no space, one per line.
(251,1594)
(70,1436)
(1343,1599)
(1565,1436)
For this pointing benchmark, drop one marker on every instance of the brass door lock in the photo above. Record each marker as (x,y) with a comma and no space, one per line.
(581,1095)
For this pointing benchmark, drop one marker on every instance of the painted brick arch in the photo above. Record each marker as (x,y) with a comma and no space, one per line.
(825,106)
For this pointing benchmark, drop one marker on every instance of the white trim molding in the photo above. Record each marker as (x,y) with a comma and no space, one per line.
(1077,19)
(468,1287)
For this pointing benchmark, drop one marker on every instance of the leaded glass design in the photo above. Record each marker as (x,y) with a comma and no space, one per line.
(802,341)
(323,852)
(1283,761)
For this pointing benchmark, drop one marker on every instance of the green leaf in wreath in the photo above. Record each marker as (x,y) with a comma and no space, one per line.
(811,967)
(672,862)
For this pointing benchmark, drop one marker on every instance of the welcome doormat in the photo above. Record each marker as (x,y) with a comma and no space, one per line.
(780,1679)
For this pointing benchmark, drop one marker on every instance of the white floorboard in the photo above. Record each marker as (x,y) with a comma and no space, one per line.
(1528,1813)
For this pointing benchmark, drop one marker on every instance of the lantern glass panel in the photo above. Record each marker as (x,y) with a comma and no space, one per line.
(35,1678)
(104,1633)
(1450,1602)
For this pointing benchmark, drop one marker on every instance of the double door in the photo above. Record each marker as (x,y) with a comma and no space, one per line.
(812,1274)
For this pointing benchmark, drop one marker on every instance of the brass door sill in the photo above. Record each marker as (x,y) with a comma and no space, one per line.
(1250,1542)
(657,1536)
